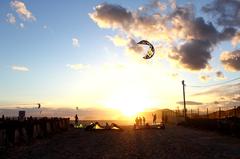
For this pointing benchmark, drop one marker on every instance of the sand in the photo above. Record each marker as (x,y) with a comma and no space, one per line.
(172,143)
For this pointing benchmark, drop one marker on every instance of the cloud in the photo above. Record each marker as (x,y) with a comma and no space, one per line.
(205,77)
(200,39)
(134,47)
(236,39)
(231,60)
(21,25)
(77,66)
(189,39)
(193,55)
(75,42)
(111,16)
(190,103)
(118,40)
(130,44)
(224,92)
(236,97)
(220,75)
(11,18)
(20,68)
(22,10)
(131,22)
(225,12)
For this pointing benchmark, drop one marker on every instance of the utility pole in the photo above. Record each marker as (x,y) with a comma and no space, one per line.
(184,101)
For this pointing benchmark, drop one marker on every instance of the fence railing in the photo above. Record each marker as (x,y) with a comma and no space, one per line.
(15,132)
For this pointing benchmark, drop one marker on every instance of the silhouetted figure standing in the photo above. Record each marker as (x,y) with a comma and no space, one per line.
(144,120)
(76,119)
(140,121)
(136,121)
(154,119)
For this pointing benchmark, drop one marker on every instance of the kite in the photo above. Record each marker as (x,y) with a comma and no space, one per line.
(39,105)
(151,50)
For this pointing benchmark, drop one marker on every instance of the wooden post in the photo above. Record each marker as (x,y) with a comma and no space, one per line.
(207,112)
(219,113)
(184,100)
(235,111)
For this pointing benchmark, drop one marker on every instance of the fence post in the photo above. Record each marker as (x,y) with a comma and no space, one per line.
(207,112)
(235,111)
(219,113)
(198,112)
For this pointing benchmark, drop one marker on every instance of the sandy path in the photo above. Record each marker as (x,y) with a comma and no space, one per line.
(173,142)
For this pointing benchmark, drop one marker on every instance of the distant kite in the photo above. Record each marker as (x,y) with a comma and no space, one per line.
(76,108)
(151,50)
(39,105)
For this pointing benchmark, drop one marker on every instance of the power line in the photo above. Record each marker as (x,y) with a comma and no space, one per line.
(216,84)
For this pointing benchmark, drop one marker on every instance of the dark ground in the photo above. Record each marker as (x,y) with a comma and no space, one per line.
(172,143)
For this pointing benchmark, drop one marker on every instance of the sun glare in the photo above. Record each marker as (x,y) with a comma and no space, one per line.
(129,102)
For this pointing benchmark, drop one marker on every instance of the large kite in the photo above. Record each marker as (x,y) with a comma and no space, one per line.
(150,51)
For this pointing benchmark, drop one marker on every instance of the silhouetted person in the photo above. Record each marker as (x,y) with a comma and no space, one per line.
(140,121)
(154,119)
(136,120)
(144,120)
(76,119)
(107,126)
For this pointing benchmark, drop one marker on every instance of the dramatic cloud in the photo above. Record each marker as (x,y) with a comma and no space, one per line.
(77,66)
(226,12)
(204,77)
(190,103)
(112,16)
(201,37)
(197,37)
(75,42)
(220,75)
(193,55)
(231,60)
(22,10)
(20,68)
(11,18)
(134,23)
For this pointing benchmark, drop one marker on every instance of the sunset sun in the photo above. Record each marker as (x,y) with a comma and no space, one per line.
(129,102)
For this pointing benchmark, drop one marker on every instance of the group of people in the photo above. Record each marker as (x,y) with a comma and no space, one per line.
(140,121)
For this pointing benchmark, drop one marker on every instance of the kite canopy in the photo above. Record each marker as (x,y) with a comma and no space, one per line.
(151,50)
(97,126)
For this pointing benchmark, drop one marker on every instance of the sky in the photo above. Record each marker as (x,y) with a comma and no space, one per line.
(68,54)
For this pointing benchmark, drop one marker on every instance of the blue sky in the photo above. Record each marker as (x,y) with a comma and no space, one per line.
(40,63)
